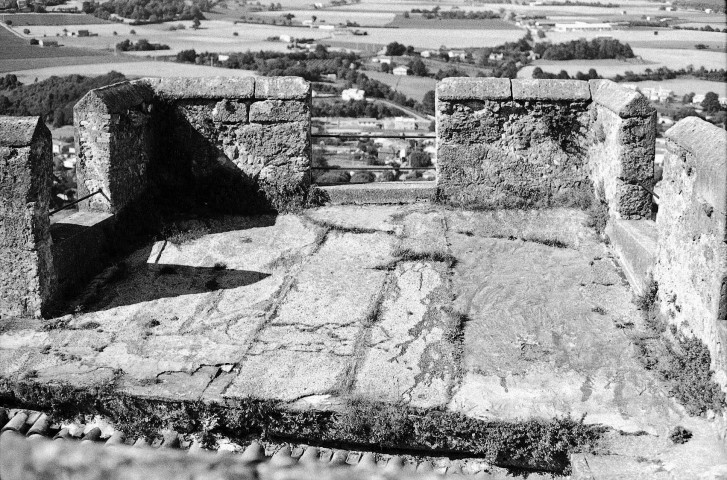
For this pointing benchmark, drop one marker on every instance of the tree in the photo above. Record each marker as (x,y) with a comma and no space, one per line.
(385,68)
(428,102)
(418,68)
(419,159)
(711,103)
(395,49)
(688,98)
(196,23)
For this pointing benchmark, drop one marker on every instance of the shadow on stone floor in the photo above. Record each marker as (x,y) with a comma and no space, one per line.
(149,282)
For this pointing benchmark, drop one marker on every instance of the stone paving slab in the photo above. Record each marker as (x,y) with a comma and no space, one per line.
(408,341)
(533,318)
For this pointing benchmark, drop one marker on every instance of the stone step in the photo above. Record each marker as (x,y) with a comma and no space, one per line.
(635,244)
(381,193)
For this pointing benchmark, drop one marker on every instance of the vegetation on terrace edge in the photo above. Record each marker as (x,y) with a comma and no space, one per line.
(682,361)
(534,444)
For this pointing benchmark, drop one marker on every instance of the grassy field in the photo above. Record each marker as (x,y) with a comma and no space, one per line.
(413,87)
(133,70)
(80,63)
(214,36)
(418,21)
(364,19)
(26,19)
(14,48)
(645,38)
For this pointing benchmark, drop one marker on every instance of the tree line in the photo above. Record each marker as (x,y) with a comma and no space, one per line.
(150,11)
(53,98)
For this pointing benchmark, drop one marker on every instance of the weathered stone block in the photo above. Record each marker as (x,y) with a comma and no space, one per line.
(691,267)
(227,111)
(27,278)
(282,88)
(635,242)
(113,138)
(279,111)
(474,89)
(708,146)
(172,88)
(622,101)
(550,89)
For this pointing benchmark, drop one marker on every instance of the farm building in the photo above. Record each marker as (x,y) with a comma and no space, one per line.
(48,43)
(400,70)
(582,27)
(353,94)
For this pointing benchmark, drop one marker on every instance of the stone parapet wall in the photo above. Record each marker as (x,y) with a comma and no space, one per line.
(691,267)
(240,144)
(621,151)
(26,267)
(518,143)
(537,143)
(237,144)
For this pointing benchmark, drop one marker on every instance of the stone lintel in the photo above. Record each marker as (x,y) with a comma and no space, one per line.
(707,144)
(467,88)
(623,101)
(282,88)
(18,131)
(550,89)
(181,88)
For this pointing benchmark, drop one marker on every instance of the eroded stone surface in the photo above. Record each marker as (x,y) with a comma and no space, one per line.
(529,317)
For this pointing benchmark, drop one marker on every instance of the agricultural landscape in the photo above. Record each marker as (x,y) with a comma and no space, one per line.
(673,51)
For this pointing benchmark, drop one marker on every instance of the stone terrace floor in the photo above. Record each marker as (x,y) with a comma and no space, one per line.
(497,315)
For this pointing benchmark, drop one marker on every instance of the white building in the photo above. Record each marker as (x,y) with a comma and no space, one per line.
(659,94)
(582,27)
(460,54)
(426,54)
(496,57)
(699,98)
(400,70)
(223,58)
(353,94)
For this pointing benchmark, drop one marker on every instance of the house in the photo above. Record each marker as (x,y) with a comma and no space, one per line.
(426,54)
(326,27)
(286,38)
(400,123)
(532,55)
(223,58)
(699,98)
(659,94)
(460,54)
(353,94)
(385,60)
(400,70)
(330,76)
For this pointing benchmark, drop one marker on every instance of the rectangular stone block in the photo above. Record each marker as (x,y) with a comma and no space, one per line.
(622,101)
(474,89)
(172,88)
(282,88)
(279,111)
(227,111)
(635,242)
(27,279)
(708,145)
(550,89)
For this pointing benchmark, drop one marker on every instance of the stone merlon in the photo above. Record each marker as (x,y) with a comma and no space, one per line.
(116,98)
(708,145)
(18,131)
(550,90)
(474,89)
(620,100)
